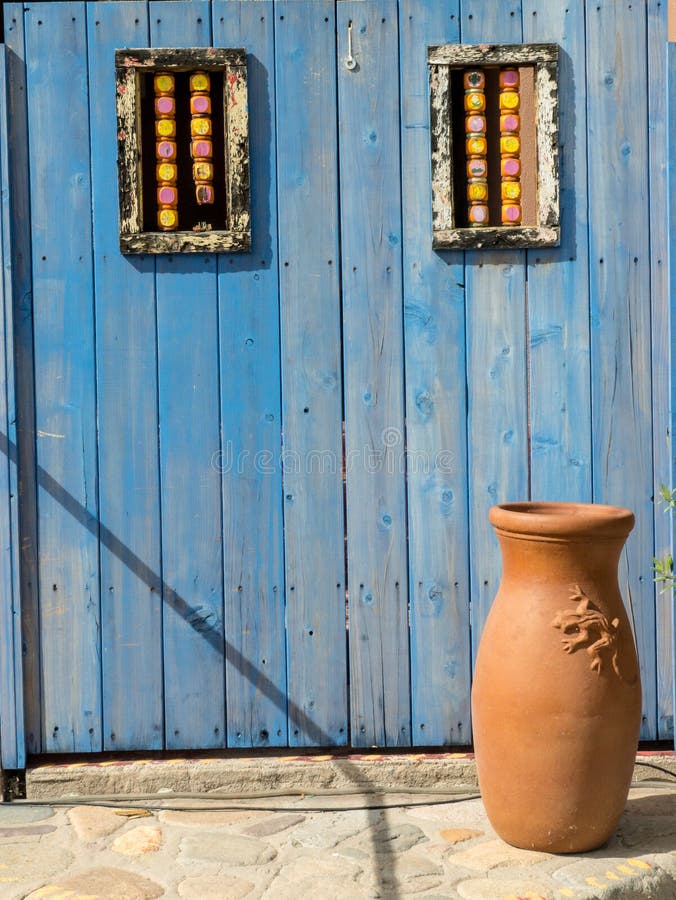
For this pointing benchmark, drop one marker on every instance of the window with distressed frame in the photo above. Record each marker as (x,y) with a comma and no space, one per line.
(494,137)
(209,196)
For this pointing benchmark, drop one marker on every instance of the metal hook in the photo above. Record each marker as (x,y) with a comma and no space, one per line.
(350,61)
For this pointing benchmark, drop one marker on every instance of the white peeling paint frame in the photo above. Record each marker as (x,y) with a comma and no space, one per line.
(544,59)
(236,235)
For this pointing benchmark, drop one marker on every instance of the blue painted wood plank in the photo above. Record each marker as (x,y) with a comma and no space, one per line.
(436,412)
(617,140)
(12,737)
(126,362)
(370,197)
(496,361)
(558,286)
(21,411)
(188,373)
(307,161)
(671,210)
(59,162)
(251,417)
(660,342)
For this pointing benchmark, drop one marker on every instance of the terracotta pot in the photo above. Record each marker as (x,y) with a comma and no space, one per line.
(556,700)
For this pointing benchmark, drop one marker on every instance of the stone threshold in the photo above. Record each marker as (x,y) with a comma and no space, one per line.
(391,773)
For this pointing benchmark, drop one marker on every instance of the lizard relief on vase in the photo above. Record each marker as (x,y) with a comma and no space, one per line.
(586,627)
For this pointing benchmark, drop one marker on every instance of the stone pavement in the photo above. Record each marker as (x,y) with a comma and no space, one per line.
(320,848)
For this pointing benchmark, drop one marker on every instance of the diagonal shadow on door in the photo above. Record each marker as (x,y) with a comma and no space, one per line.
(385,864)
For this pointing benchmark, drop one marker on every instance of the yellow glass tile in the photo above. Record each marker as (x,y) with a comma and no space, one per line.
(164,83)
(509,100)
(165,128)
(476,146)
(167,172)
(510,144)
(202,171)
(477,191)
(511,190)
(475,102)
(167,218)
(199,81)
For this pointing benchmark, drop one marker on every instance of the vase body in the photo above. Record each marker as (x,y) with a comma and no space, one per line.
(556,699)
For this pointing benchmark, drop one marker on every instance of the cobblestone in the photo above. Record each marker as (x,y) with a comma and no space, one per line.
(111,884)
(91,823)
(440,852)
(140,840)
(227,849)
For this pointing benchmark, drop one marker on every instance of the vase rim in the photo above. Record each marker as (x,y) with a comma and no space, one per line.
(561,519)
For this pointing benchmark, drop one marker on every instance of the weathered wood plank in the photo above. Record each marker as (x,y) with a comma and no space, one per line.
(59,160)
(470,53)
(188,373)
(496,361)
(617,141)
(441,154)
(311,369)
(251,416)
(12,736)
(436,414)
(126,368)
(20,392)
(671,211)
(558,289)
(496,238)
(180,58)
(660,341)
(185,241)
(21,411)
(373,363)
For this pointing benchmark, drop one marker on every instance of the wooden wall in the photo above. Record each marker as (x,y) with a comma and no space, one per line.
(186,560)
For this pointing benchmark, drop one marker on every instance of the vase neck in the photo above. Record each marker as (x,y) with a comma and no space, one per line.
(563,560)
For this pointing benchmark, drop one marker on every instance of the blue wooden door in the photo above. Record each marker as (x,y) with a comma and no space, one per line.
(254,487)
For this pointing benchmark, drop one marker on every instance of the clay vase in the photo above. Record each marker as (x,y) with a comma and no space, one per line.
(556,700)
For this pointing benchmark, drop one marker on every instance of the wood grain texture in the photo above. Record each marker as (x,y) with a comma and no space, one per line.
(12,736)
(481,53)
(617,140)
(182,59)
(188,373)
(248,287)
(126,367)
(496,361)
(495,238)
(59,160)
(671,212)
(441,152)
(558,289)
(185,241)
(660,343)
(311,369)
(20,394)
(21,410)
(373,364)
(434,307)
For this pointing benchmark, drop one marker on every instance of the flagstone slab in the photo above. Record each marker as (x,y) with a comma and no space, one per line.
(91,823)
(100,884)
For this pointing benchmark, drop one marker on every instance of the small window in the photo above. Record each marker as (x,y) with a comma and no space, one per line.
(183,151)
(494,145)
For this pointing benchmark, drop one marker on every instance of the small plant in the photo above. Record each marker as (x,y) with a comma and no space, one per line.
(664,566)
